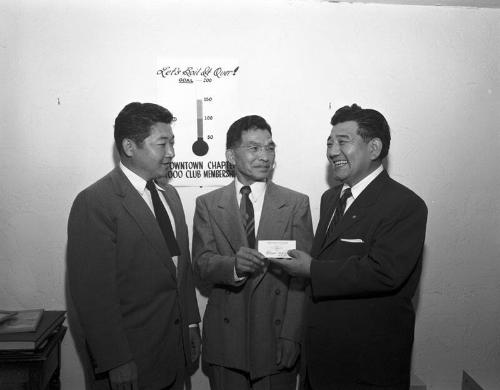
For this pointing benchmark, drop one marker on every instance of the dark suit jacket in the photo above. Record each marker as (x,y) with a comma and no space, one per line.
(131,301)
(243,321)
(360,317)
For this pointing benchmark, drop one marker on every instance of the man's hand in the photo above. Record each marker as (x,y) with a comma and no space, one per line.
(298,265)
(249,261)
(124,377)
(195,341)
(287,353)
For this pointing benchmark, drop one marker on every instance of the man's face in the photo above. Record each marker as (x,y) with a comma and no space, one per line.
(254,157)
(351,157)
(150,159)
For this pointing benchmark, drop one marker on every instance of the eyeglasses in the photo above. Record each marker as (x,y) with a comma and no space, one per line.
(255,149)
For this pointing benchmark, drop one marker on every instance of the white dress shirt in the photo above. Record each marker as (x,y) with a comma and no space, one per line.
(256,196)
(140,185)
(357,189)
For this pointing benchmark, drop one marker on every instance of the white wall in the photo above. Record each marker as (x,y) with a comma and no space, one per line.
(68,67)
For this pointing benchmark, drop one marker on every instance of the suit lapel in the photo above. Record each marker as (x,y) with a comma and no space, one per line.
(358,210)
(330,202)
(179,220)
(272,220)
(273,216)
(227,217)
(271,225)
(139,210)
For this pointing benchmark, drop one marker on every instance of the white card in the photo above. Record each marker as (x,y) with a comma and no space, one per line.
(276,249)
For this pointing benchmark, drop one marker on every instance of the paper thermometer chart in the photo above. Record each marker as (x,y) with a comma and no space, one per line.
(200,147)
(202,96)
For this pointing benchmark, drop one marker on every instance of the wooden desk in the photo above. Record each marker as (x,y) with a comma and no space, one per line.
(33,370)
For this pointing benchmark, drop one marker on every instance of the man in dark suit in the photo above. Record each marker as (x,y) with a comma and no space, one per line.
(364,266)
(129,273)
(253,320)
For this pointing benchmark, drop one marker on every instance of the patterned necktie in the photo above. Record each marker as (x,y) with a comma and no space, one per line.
(163,220)
(246,210)
(339,210)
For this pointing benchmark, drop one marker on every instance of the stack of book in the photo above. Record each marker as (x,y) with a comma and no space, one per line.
(28,329)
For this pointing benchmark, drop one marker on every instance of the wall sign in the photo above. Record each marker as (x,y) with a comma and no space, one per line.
(202,96)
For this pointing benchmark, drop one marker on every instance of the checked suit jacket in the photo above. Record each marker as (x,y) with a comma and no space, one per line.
(243,320)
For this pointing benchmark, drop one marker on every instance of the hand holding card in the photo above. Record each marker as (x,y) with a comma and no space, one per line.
(276,249)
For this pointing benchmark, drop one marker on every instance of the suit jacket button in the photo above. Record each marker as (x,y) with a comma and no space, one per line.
(277,322)
(277,291)
(228,292)
(176,322)
(226,320)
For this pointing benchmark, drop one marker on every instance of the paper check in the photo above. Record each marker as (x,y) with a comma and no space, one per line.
(276,249)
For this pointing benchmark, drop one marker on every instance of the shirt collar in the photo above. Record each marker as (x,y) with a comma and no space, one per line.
(137,182)
(258,188)
(362,184)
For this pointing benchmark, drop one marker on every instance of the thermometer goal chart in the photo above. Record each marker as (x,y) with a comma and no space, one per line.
(202,96)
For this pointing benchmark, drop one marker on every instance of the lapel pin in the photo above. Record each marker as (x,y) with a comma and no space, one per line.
(354,216)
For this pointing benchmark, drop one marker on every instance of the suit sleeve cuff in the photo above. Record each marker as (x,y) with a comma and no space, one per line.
(236,277)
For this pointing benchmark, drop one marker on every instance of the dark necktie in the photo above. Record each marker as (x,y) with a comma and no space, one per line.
(163,220)
(339,210)
(246,210)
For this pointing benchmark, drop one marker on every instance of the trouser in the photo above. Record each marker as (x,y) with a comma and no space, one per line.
(178,383)
(223,378)
(306,385)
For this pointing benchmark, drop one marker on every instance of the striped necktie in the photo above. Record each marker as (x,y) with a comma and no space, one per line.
(246,210)
(163,220)
(339,210)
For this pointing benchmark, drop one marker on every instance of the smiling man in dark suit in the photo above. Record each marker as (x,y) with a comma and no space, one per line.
(364,266)
(129,273)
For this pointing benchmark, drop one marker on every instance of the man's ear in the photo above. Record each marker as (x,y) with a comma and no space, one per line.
(128,146)
(230,156)
(375,148)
